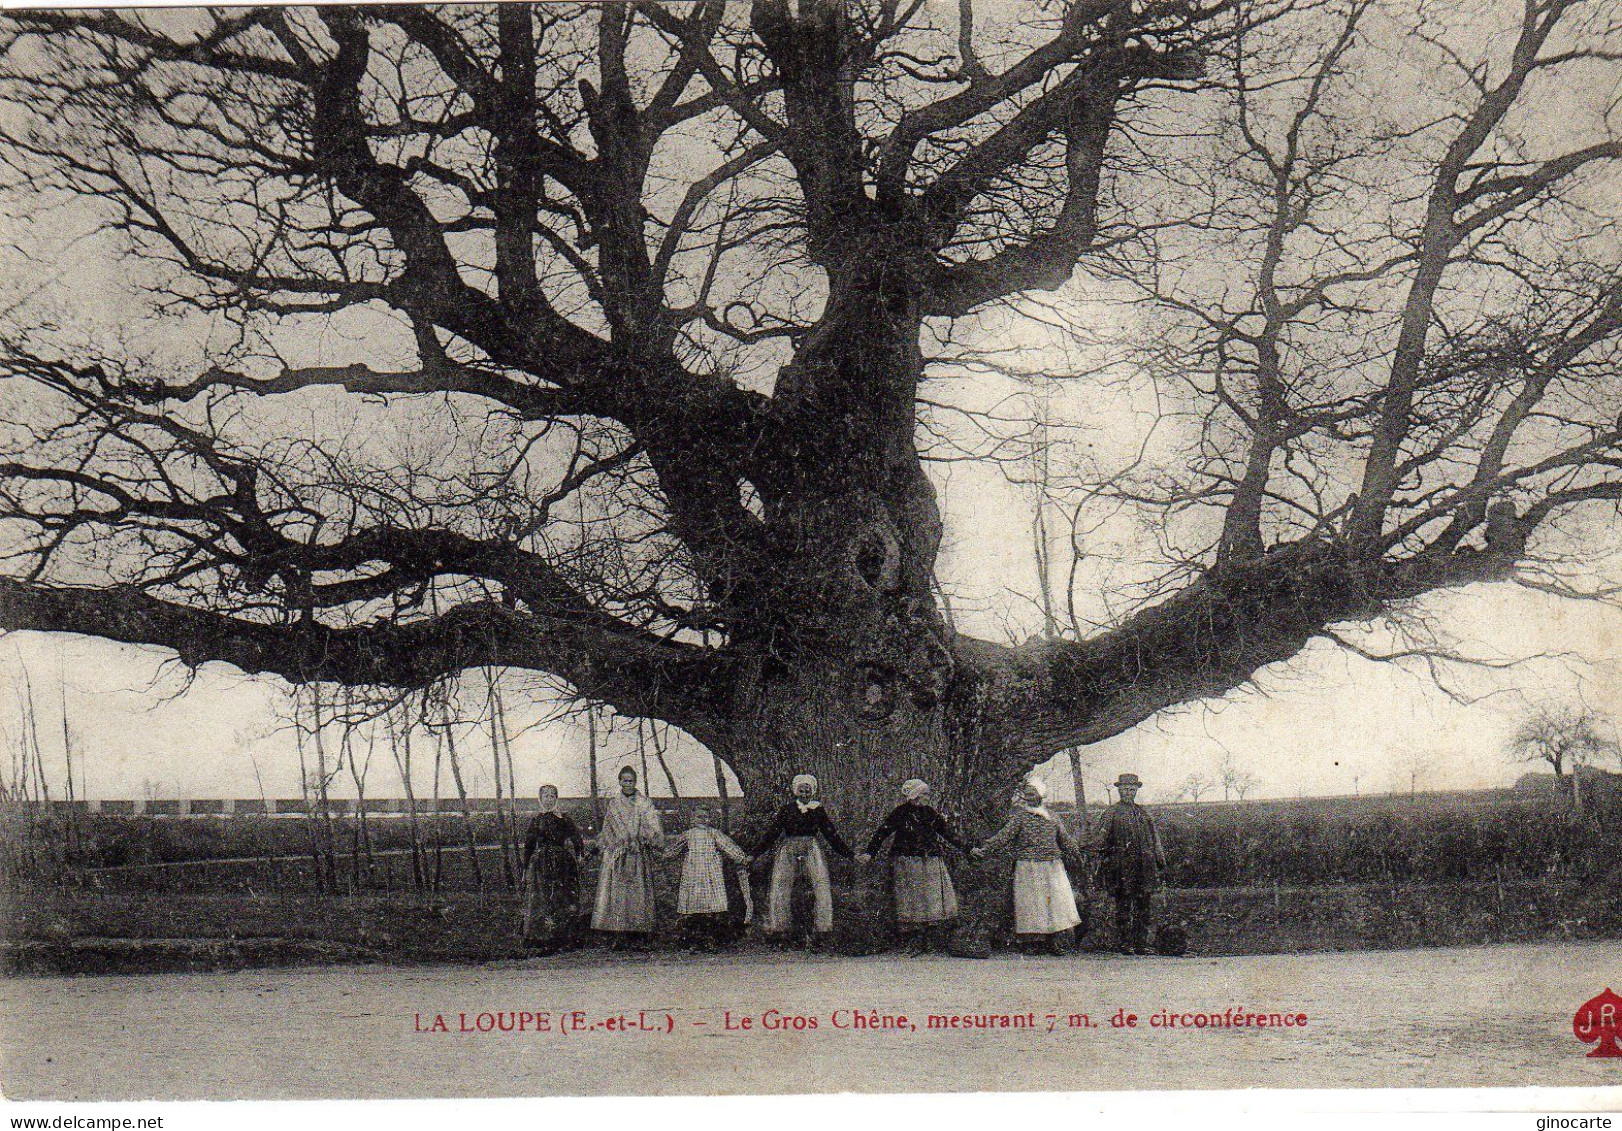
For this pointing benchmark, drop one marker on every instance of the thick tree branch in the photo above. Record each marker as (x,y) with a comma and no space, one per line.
(1205,641)
(639,674)
(817,55)
(983,93)
(530,401)
(1441,233)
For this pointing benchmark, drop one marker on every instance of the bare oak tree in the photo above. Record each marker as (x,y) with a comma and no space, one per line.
(1194,787)
(639,300)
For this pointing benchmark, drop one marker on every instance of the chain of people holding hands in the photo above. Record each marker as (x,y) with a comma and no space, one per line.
(715,898)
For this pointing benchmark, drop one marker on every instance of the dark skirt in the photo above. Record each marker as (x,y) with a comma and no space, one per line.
(551,895)
(923,891)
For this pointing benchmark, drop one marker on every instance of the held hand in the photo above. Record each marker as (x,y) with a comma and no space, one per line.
(977,853)
(864,858)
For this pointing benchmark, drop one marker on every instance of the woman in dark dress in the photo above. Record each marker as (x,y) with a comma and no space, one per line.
(552,850)
(795,832)
(924,897)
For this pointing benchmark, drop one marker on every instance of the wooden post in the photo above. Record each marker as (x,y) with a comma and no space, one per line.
(722,792)
(591,748)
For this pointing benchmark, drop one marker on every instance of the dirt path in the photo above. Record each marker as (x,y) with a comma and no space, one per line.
(1444,1017)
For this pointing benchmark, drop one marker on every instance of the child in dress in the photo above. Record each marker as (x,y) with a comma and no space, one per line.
(702,900)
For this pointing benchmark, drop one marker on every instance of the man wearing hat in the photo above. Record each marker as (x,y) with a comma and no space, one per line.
(1132,861)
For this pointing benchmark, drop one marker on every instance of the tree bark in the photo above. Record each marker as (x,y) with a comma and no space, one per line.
(806,722)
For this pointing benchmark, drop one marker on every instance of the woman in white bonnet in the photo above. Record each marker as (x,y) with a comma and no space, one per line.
(1044,902)
(795,831)
(924,897)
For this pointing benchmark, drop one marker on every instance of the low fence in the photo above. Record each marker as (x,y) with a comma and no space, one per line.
(283,844)
(336,806)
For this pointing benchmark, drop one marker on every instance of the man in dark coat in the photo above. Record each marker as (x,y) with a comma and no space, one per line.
(1132,859)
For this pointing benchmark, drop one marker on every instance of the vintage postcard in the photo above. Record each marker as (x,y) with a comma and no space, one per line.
(810,545)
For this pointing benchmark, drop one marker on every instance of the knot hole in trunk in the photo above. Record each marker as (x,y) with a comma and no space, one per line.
(873,691)
(875,557)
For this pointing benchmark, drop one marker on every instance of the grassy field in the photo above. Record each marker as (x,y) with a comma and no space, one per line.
(1254,877)
(1487,836)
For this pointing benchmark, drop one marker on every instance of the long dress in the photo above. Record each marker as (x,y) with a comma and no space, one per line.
(1044,902)
(551,887)
(703,888)
(630,837)
(923,887)
(795,830)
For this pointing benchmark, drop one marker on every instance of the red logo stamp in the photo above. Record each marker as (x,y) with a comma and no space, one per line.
(1598,1022)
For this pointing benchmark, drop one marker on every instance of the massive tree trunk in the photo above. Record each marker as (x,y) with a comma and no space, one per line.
(1003,711)
(811,721)
(844,662)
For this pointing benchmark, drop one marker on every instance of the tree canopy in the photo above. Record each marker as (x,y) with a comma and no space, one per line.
(597,340)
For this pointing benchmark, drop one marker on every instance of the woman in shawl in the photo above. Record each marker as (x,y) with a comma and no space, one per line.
(924,897)
(1044,902)
(794,830)
(552,851)
(631,837)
